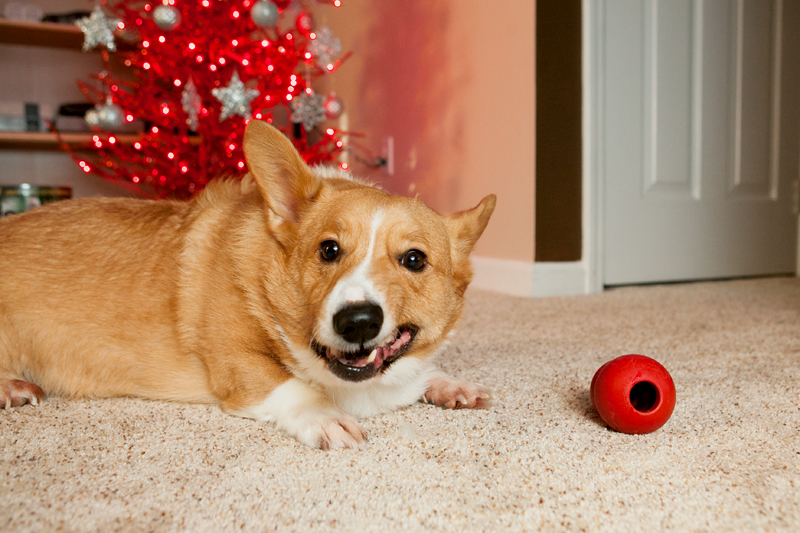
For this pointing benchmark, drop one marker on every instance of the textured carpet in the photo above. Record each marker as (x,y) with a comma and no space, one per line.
(540,459)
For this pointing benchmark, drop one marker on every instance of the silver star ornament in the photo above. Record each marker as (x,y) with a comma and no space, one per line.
(235,98)
(98,28)
(308,110)
(325,47)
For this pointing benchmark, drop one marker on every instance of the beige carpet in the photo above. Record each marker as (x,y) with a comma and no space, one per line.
(728,460)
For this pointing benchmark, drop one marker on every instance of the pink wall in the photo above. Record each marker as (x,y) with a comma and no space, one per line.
(453,83)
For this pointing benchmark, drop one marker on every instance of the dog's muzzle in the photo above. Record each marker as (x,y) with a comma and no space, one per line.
(359,325)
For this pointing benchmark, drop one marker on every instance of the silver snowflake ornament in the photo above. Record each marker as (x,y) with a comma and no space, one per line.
(235,98)
(325,48)
(191,103)
(308,109)
(98,28)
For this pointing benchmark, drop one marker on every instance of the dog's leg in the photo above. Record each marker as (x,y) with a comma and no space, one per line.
(452,393)
(15,392)
(306,414)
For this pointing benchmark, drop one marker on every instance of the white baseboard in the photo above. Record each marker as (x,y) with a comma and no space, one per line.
(530,279)
(502,275)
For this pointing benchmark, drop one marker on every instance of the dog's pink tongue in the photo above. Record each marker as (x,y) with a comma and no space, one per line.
(380,356)
(391,350)
(382,353)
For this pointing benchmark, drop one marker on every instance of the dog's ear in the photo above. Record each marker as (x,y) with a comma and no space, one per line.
(283,178)
(465,228)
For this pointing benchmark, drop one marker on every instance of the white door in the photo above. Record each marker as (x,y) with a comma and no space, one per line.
(698,137)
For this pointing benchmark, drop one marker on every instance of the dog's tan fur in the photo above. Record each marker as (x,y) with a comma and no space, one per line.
(211,300)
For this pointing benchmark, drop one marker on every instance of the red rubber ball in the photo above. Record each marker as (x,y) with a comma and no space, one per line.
(633,394)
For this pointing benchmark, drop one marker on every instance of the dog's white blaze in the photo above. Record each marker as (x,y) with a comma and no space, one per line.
(358,283)
(357,287)
(354,294)
(377,219)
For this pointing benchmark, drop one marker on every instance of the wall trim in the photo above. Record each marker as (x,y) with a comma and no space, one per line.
(593,164)
(521,278)
(502,275)
(559,279)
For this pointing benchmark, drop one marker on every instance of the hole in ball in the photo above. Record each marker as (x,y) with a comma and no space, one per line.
(644,396)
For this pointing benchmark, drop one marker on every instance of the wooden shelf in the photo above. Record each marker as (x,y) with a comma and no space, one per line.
(44,140)
(41,34)
(51,35)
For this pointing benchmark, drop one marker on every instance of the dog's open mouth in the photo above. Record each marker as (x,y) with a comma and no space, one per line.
(368,361)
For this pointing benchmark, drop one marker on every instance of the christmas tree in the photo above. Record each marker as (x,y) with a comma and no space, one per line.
(196,72)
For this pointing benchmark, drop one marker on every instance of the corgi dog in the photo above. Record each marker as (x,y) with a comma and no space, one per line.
(296,295)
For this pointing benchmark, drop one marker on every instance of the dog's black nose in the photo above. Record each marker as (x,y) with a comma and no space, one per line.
(358,323)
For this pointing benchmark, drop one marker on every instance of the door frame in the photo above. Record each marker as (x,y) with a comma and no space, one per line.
(593,164)
(593,210)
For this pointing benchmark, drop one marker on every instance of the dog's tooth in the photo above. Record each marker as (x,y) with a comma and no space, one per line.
(371,358)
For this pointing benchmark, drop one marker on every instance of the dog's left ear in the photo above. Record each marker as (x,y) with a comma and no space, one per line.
(284,179)
(465,229)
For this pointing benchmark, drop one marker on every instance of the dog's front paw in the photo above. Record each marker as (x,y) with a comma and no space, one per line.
(326,428)
(306,414)
(451,393)
(15,392)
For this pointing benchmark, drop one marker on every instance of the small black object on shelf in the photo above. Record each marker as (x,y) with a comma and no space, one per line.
(66,18)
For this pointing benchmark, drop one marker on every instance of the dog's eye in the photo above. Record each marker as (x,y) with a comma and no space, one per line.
(329,251)
(414,260)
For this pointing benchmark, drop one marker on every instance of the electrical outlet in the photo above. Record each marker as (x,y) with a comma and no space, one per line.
(387,153)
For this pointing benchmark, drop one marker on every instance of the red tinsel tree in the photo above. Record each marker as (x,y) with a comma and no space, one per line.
(200,70)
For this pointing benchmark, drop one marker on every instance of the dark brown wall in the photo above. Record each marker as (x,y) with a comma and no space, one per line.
(558,130)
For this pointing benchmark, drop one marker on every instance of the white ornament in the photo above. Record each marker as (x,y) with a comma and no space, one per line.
(110,116)
(235,98)
(307,109)
(166,17)
(264,13)
(190,100)
(97,29)
(92,120)
(326,47)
